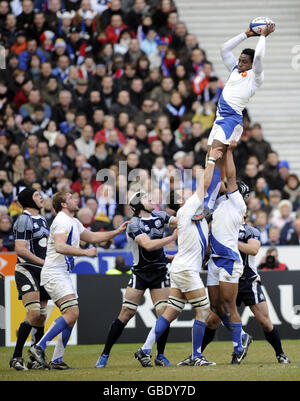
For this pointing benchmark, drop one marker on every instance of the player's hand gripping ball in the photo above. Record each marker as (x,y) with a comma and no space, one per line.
(259,23)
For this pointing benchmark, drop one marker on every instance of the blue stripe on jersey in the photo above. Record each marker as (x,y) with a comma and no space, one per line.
(202,239)
(70,259)
(213,190)
(221,250)
(227,264)
(227,111)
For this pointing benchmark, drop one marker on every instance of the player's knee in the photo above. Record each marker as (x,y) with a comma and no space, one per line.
(33,312)
(129,309)
(69,309)
(201,307)
(176,303)
(265,323)
(160,306)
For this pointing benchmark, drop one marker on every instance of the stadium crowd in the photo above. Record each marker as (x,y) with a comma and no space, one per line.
(89,84)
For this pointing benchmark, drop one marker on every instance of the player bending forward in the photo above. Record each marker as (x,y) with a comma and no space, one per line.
(65,233)
(186,284)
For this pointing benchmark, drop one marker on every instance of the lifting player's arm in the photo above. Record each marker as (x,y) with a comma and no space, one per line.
(153,244)
(250,248)
(96,237)
(230,169)
(214,155)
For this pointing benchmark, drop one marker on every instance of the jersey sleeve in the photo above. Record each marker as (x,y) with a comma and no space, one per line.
(192,204)
(166,218)
(61,226)
(252,233)
(23,228)
(237,199)
(133,229)
(258,59)
(226,50)
(80,226)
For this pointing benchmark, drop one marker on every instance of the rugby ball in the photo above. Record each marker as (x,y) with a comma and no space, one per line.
(258,24)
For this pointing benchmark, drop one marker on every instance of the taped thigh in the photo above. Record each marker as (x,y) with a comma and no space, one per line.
(68,303)
(32,306)
(159,305)
(129,304)
(176,303)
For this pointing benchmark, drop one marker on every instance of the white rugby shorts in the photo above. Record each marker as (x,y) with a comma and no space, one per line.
(186,281)
(217,274)
(59,286)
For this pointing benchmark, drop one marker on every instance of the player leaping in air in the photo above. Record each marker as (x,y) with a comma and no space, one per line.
(246,76)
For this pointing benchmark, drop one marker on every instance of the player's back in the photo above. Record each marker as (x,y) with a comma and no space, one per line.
(245,234)
(192,238)
(226,222)
(34,230)
(154,227)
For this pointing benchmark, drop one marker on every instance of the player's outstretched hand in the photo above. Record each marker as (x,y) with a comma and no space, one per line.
(270,27)
(216,153)
(91,252)
(250,33)
(122,227)
(232,145)
(174,235)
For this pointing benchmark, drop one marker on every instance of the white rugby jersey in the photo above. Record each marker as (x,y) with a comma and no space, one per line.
(225,227)
(56,262)
(240,86)
(192,238)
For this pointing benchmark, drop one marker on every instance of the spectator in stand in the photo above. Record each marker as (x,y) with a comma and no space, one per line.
(175,110)
(85,176)
(271,262)
(283,215)
(123,104)
(253,208)
(147,115)
(6,232)
(291,188)
(261,223)
(261,191)
(295,237)
(250,176)
(86,144)
(274,236)
(162,93)
(257,145)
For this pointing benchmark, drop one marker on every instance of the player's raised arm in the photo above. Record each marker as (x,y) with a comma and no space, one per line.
(230,168)
(226,50)
(153,244)
(260,52)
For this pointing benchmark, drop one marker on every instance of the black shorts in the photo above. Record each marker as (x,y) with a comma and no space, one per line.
(152,280)
(28,280)
(250,293)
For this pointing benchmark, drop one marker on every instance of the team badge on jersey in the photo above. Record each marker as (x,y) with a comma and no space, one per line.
(158,223)
(244,74)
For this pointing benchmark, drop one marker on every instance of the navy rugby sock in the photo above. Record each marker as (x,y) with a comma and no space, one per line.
(209,335)
(23,334)
(273,338)
(116,329)
(162,340)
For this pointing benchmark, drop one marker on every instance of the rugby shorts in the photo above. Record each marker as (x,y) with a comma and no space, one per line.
(28,280)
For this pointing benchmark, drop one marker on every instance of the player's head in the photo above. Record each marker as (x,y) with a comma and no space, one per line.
(30,198)
(243,188)
(141,201)
(64,201)
(246,60)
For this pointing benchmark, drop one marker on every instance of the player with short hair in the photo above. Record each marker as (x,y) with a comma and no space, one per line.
(186,284)
(251,294)
(225,266)
(66,231)
(145,237)
(31,232)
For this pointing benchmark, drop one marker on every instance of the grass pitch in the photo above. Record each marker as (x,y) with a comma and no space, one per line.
(260,364)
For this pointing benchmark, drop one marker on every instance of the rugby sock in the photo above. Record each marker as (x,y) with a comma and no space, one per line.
(23,334)
(244,334)
(36,334)
(274,339)
(57,327)
(162,340)
(62,341)
(236,335)
(115,331)
(226,322)
(161,325)
(197,337)
(208,337)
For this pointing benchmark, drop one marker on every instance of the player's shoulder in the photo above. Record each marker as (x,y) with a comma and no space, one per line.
(23,222)
(251,232)
(134,223)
